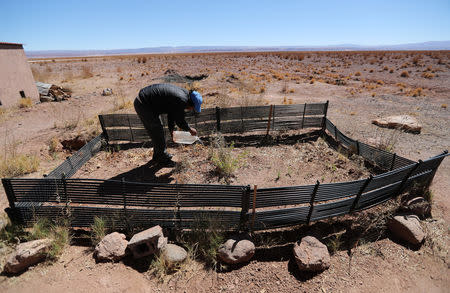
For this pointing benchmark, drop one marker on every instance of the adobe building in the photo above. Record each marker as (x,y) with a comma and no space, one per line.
(16,79)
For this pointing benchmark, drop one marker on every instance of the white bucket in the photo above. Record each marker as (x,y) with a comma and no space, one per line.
(184,137)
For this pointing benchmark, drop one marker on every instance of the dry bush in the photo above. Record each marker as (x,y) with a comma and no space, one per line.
(358,73)
(25,103)
(428,75)
(416,92)
(444,106)
(371,70)
(404,74)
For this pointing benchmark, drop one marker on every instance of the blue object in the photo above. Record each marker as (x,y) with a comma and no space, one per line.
(197,100)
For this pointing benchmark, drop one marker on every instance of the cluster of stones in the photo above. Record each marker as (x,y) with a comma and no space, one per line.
(114,246)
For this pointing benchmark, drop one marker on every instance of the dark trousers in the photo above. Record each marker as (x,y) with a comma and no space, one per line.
(153,125)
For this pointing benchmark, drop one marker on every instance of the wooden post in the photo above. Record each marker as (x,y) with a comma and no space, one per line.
(9,192)
(63,178)
(357,147)
(393,161)
(360,192)
(402,184)
(129,126)
(255,188)
(303,119)
(335,134)
(325,111)
(102,123)
(311,202)
(268,121)
(245,199)
(218,119)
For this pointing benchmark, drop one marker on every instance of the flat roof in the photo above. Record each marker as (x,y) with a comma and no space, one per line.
(6,43)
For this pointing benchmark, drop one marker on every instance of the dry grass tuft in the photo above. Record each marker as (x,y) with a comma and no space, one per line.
(25,103)
(404,74)
(14,165)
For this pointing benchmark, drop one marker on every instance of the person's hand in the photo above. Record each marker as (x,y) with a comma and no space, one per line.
(193,131)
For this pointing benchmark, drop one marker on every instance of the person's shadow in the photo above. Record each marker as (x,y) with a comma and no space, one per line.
(147,174)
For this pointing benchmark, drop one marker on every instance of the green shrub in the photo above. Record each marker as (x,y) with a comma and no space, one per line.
(224,160)
(98,230)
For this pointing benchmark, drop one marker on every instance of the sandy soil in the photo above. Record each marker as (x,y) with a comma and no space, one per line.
(359,86)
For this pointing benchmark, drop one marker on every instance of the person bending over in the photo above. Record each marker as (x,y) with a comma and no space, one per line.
(157,99)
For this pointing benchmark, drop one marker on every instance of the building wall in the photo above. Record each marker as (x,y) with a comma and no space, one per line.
(15,76)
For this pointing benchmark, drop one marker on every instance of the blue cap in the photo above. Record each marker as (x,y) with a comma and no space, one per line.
(197,100)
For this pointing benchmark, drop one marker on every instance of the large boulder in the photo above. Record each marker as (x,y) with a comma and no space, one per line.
(27,254)
(111,248)
(407,228)
(311,255)
(174,254)
(403,122)
(147,242)
(238,249)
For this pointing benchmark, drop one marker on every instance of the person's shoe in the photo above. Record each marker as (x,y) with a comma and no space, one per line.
(165,159)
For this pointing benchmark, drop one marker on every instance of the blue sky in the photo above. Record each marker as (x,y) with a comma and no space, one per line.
(78,25)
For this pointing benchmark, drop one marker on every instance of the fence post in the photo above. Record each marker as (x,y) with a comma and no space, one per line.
(63,178)
(9,192)
(324,116)
(255,190)
(129,126)
(402,184)
(303,119)
(393,161)
(434,171)
(335,134)
(218,119)
(311,202)
(357,147)
(360,192)
(245,201)
(102,124)
(268,121)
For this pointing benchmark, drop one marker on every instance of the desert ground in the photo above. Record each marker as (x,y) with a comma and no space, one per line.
(360,86)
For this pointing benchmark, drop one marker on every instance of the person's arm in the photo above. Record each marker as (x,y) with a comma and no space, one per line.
(171,123)
(180,120)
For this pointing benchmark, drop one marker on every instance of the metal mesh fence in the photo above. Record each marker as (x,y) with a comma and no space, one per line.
(133,204)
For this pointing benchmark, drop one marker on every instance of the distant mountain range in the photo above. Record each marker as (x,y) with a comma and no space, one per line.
(437,45)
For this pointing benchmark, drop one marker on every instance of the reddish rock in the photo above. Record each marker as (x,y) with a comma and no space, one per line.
(147,242)
(403,122)
(236,250)
(407,228)
(27,254)
(111,248)
(311,255)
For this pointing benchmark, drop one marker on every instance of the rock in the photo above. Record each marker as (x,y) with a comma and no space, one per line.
(311,255)
(27,254)
(174,254)
(147,242)
(408,228)
(403,122)
(107,92)
(238,249)
(45,99)
(111,248)
(418,206)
